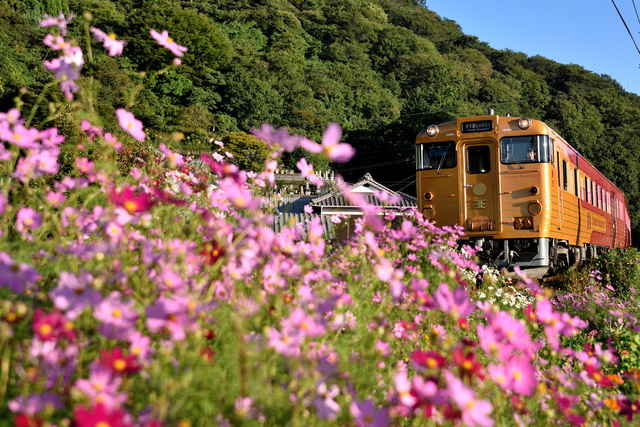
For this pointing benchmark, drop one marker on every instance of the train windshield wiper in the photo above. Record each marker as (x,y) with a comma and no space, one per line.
(441,162)
(516,160)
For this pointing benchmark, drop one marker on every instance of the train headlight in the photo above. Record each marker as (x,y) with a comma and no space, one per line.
(524,123)
(535,208)
(533,190)
(428,195)
(432,130)
(429,212)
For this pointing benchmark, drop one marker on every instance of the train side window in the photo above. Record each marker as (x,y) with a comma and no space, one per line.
(565,175)
(551,150)
(575,182)
(592,192)
(558,163)
(586,189)
(479,159)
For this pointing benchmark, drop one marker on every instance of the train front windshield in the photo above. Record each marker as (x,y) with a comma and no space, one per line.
(525,149)
(436,155)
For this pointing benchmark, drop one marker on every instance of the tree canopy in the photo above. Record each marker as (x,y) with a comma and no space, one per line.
(382,69)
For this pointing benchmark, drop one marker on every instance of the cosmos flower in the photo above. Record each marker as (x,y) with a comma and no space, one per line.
(74,293)
(474,412)
(325,405)
(164,40)
(130,124)
(60,21)
(16,276)
(133,203)
(456,303)
(109,42)
(99,416)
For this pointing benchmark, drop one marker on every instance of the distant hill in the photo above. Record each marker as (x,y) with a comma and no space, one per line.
(383,69)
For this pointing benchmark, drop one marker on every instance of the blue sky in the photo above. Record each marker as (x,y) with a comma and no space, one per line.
(584,32)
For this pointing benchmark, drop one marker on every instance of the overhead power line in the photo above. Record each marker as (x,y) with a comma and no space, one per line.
(625,24)
(634,8)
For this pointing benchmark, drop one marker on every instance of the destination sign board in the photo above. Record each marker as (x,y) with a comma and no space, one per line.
(480,126)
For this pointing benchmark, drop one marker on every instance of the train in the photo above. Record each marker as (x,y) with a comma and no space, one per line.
(523,195)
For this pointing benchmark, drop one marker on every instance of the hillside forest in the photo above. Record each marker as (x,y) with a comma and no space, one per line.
(382,69)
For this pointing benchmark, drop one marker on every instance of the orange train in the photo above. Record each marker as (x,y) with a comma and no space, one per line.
(523,195)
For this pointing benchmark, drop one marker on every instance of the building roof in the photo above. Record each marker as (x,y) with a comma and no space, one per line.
(366,186)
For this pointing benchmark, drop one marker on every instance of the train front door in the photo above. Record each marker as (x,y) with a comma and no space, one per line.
(480,212)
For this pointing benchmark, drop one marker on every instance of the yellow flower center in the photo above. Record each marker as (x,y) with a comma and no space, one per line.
(119,365)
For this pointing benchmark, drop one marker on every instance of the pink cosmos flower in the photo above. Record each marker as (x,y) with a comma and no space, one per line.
(10,116)
(28,219)
(20,136)
(325,405)
(109,42)
(60,21)
(16,276)
(456,303)
(84,165)
(164,40)
(306,170)
(67,73)
(50,137)
(521,373)
(169,280)
(474,412)
(74,293)
(34,403)
(169,314)
(277,139)
(118,317)
(365,414)
(339,153)
(140,346)
(102,387)
(130,124)
(287,342)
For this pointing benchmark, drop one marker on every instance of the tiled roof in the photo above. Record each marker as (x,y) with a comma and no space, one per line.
(336,199)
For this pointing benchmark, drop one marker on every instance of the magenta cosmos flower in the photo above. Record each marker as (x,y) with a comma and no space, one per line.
(130,124)
(164,40)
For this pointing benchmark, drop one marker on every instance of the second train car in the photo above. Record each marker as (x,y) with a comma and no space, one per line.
(523,195)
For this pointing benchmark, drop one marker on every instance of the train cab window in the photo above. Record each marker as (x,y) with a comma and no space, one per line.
(436,155)
(479,159)
(525,149)
(565,175)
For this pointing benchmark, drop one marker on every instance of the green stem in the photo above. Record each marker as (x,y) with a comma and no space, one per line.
(38,101)
(4,379)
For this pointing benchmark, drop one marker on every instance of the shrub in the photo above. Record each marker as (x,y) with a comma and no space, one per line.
(619,269)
